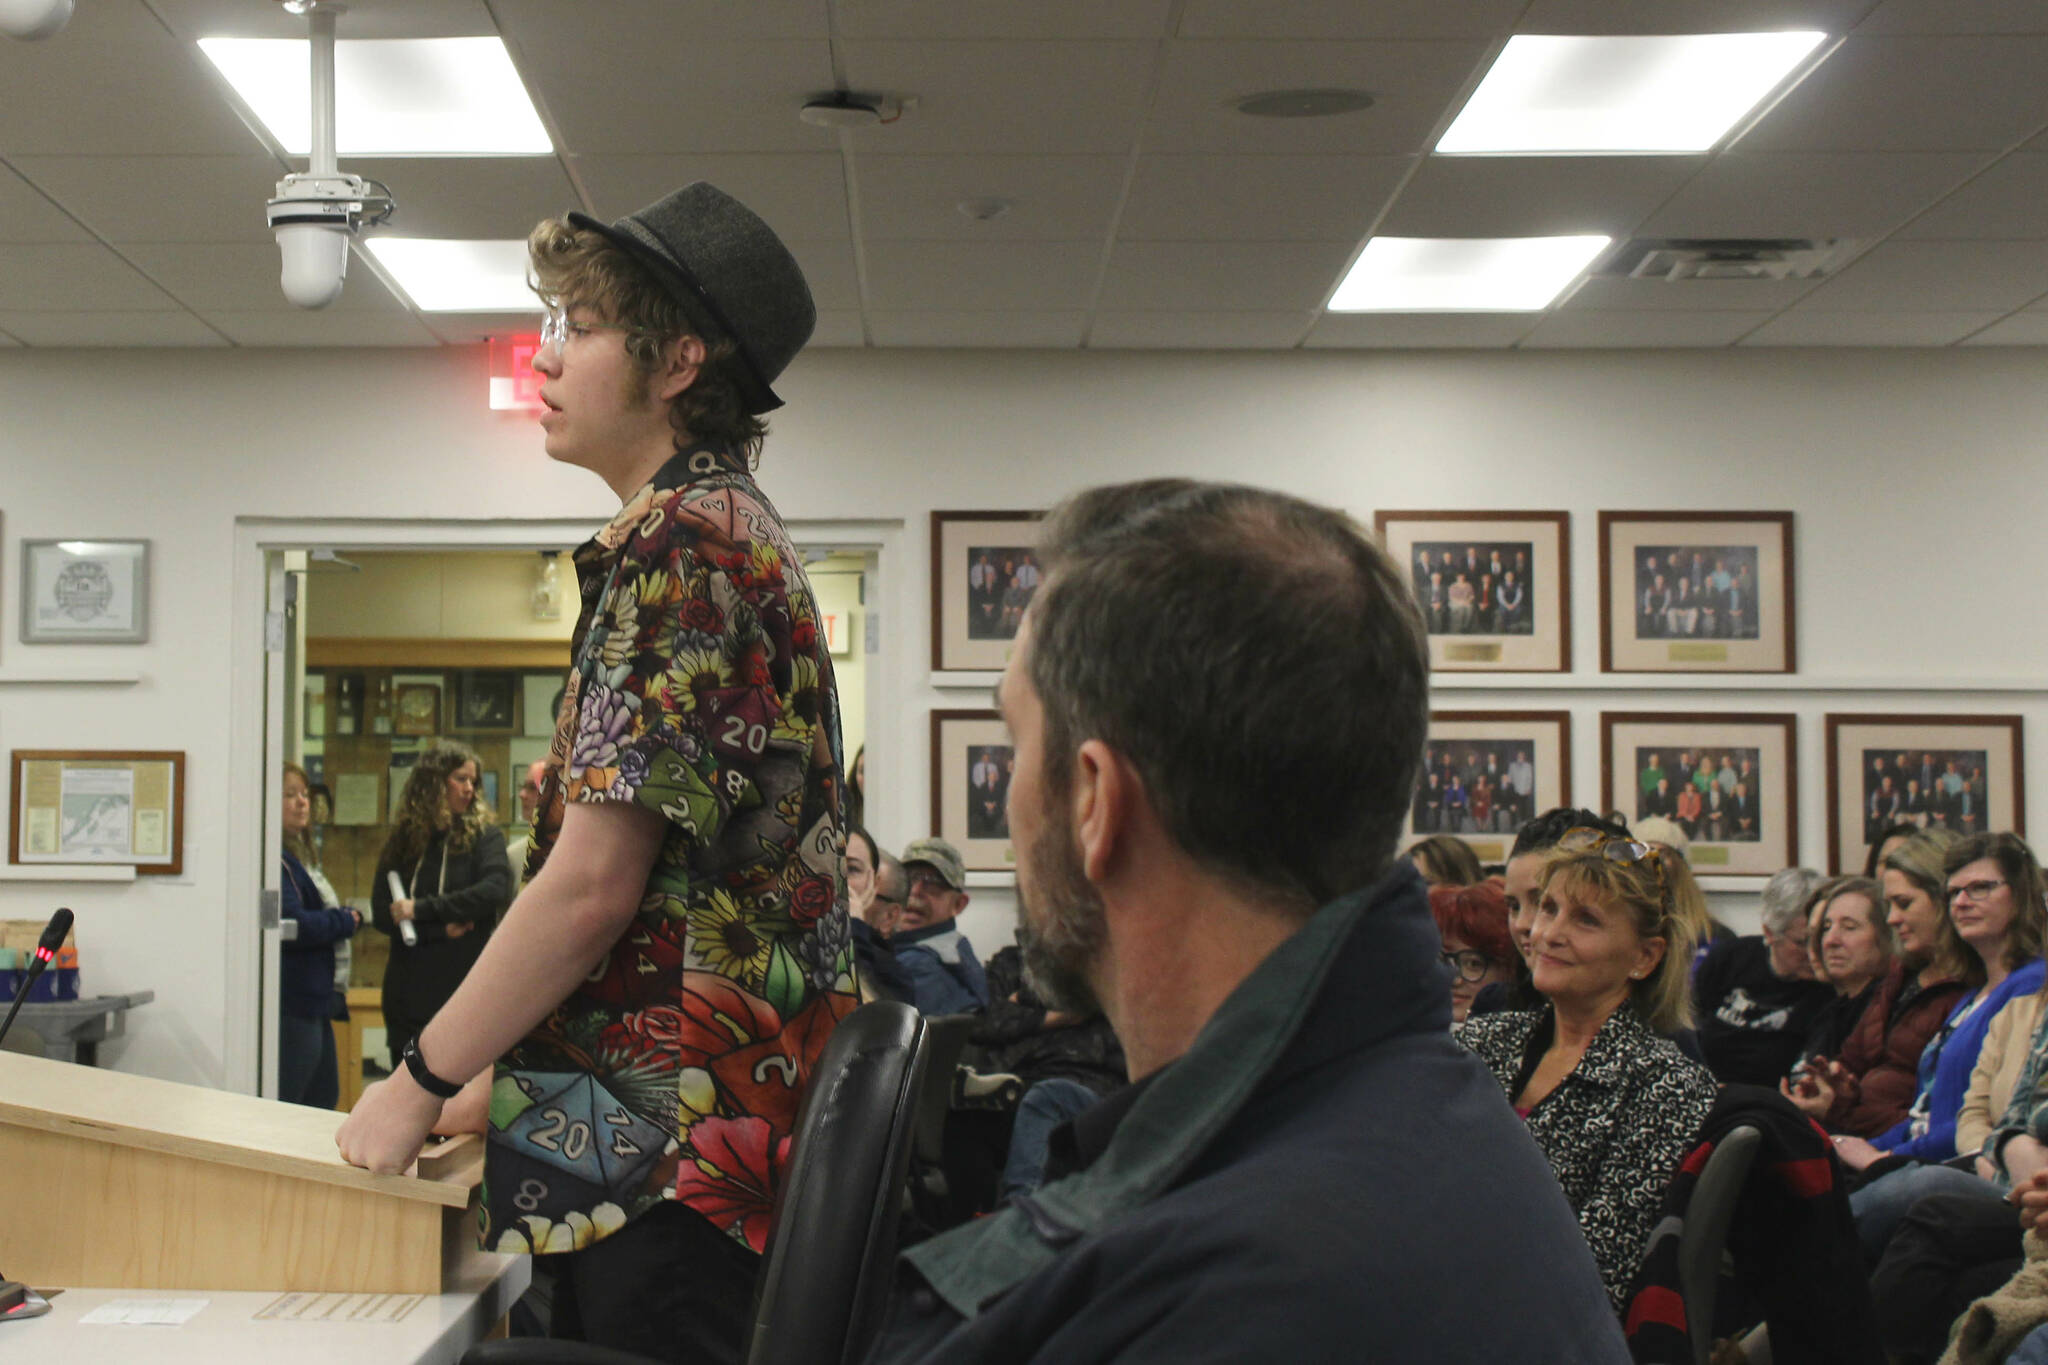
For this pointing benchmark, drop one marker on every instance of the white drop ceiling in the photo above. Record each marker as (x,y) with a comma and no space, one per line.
(1146,212)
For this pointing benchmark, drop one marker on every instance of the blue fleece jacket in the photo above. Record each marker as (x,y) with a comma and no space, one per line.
(1945,1067)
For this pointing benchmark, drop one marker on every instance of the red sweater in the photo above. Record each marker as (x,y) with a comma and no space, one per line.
(1882,1054)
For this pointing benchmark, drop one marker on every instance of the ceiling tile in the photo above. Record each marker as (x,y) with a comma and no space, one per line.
(27,215)
(1642,328)
(1412,84)
(1926,277)
(1342,19)
(1946,16)
(2009,200)
(1689,16)
(830,272)
(1858,195)
(944,19)
(1602,294)
(207,276)
(122,329)
(475,198)
(1258,198)
(1422,330)
(40,278)
(194,19)
(1198,331)
(800,194)
(1913,95)
(1052,198)
(2020,329)
(1175,277)
(620,87)
(1803,328)
(1037,330)
(1004,99)
(837,327)
(161,198)
(468,329)
(1011,276)
(1541,196)
(298,327)
(114,83)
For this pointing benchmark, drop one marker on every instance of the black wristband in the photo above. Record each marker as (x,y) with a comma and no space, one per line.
(427,1080)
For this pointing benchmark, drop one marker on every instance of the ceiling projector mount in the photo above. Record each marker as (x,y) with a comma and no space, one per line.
(317,211)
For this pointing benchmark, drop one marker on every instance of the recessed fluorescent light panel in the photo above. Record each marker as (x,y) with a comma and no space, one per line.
(392,96)
(1463,274)
(1560,95)
(458,277)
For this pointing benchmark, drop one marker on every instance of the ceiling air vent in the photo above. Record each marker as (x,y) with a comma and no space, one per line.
(1775,258)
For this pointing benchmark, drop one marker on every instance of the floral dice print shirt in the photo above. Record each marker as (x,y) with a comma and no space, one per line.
(702,690)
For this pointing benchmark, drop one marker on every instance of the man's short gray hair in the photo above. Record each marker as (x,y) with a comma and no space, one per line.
(1786,896)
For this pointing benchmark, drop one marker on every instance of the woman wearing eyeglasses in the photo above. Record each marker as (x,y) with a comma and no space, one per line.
(1473,921)
(1613,1105)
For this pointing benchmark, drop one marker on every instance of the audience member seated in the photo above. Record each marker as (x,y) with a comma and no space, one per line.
(1851,951)
(1992,887)
(1473,924)
(1613,1105)
(1757,997)
(1518,887)
(1869,1087)
(874,896)
(944,974)
(1446,860)
(1305,1167)
(1888,838)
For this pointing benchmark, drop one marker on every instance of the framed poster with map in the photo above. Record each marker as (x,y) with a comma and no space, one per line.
(103,806)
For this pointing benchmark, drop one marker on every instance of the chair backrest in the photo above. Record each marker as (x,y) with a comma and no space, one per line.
(830,1254)
(1707,1216)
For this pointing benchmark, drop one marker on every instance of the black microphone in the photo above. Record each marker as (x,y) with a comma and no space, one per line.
(46,948)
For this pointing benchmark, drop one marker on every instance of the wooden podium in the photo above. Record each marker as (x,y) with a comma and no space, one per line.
(124,1181)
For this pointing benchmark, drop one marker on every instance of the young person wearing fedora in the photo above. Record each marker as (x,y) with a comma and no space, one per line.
(656,997)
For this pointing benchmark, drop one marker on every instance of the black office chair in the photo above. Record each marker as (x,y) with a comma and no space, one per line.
(1703,1244)
(831,1251)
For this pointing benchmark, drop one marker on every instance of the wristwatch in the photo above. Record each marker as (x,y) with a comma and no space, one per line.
(428,1081)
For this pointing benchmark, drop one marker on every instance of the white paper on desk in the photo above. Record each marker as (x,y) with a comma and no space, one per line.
(147,1312)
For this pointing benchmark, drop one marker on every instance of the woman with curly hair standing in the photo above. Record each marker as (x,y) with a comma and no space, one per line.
(449,860)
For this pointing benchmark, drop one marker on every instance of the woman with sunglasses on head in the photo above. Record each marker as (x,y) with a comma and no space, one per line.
(1869,1089)
(1613,1105)
(1473,922)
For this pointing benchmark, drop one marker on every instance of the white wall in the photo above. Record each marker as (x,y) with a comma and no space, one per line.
(1916,477)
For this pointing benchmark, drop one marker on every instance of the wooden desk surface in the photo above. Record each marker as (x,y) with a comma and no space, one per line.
(227,1332)
(191,1121)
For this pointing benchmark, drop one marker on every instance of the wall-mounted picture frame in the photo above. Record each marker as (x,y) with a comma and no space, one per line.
(1486,772)
(540,698)
(416,709)
(1494,587)
(102,806)
(489,790)
(972,760)
(486,702)
(1960,772)
(313,711)
(1697,592)
(1729,779)
(984,572)
(85,592)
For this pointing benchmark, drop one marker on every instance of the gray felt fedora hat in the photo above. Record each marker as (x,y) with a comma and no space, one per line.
(732,275)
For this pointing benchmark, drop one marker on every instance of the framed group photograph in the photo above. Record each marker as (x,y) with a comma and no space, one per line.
(984,571)
(98,806)
(1696,592)
(972,761)
(485,703)
(1484,773)
(1494,587)
(1962,773)
(1730,781)
(85,592)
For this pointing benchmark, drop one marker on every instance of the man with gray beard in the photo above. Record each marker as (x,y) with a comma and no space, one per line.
(1218,700)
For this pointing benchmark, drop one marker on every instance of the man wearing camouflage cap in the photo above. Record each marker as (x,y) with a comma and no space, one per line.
(945,975)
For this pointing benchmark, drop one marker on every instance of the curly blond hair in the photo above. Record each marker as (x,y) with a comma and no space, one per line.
(423,806)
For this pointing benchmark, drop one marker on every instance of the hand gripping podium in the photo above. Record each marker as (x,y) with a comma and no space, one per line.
(128,1182)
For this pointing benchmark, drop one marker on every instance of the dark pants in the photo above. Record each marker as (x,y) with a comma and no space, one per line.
(667,1285)
(1946,1253)
(306,1070)
(399,1029)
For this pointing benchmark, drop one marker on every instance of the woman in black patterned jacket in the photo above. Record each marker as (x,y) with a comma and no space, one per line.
(1613,1105)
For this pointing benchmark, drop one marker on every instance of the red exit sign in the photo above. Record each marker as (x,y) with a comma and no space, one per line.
(514,385)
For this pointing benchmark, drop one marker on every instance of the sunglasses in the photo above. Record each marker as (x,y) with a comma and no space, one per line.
(1616,849)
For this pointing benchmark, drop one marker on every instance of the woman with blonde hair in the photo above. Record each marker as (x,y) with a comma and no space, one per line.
(1446,860)
(1613,1105)
(449,861)
(307,1072)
